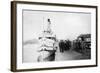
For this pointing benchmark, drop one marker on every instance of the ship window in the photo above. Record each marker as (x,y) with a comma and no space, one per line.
(40,37)
(53,38)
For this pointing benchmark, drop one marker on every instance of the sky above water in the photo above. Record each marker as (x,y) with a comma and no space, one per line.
(66,25)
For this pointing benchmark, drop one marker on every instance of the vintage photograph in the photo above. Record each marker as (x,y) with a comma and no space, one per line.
(55,36)
(48,36)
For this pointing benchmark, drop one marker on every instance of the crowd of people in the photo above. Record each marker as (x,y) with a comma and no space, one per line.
(64,45)
(76,45)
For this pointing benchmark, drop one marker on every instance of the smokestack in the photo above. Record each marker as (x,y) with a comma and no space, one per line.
(49,21)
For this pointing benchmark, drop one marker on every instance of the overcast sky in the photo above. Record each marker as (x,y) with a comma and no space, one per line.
(66,25)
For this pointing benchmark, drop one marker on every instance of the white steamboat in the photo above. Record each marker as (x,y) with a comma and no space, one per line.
(48,44)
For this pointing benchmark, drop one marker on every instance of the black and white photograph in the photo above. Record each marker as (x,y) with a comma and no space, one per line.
(53,36)
(56,36)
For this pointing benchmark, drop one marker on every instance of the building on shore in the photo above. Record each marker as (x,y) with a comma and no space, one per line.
(83,44)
